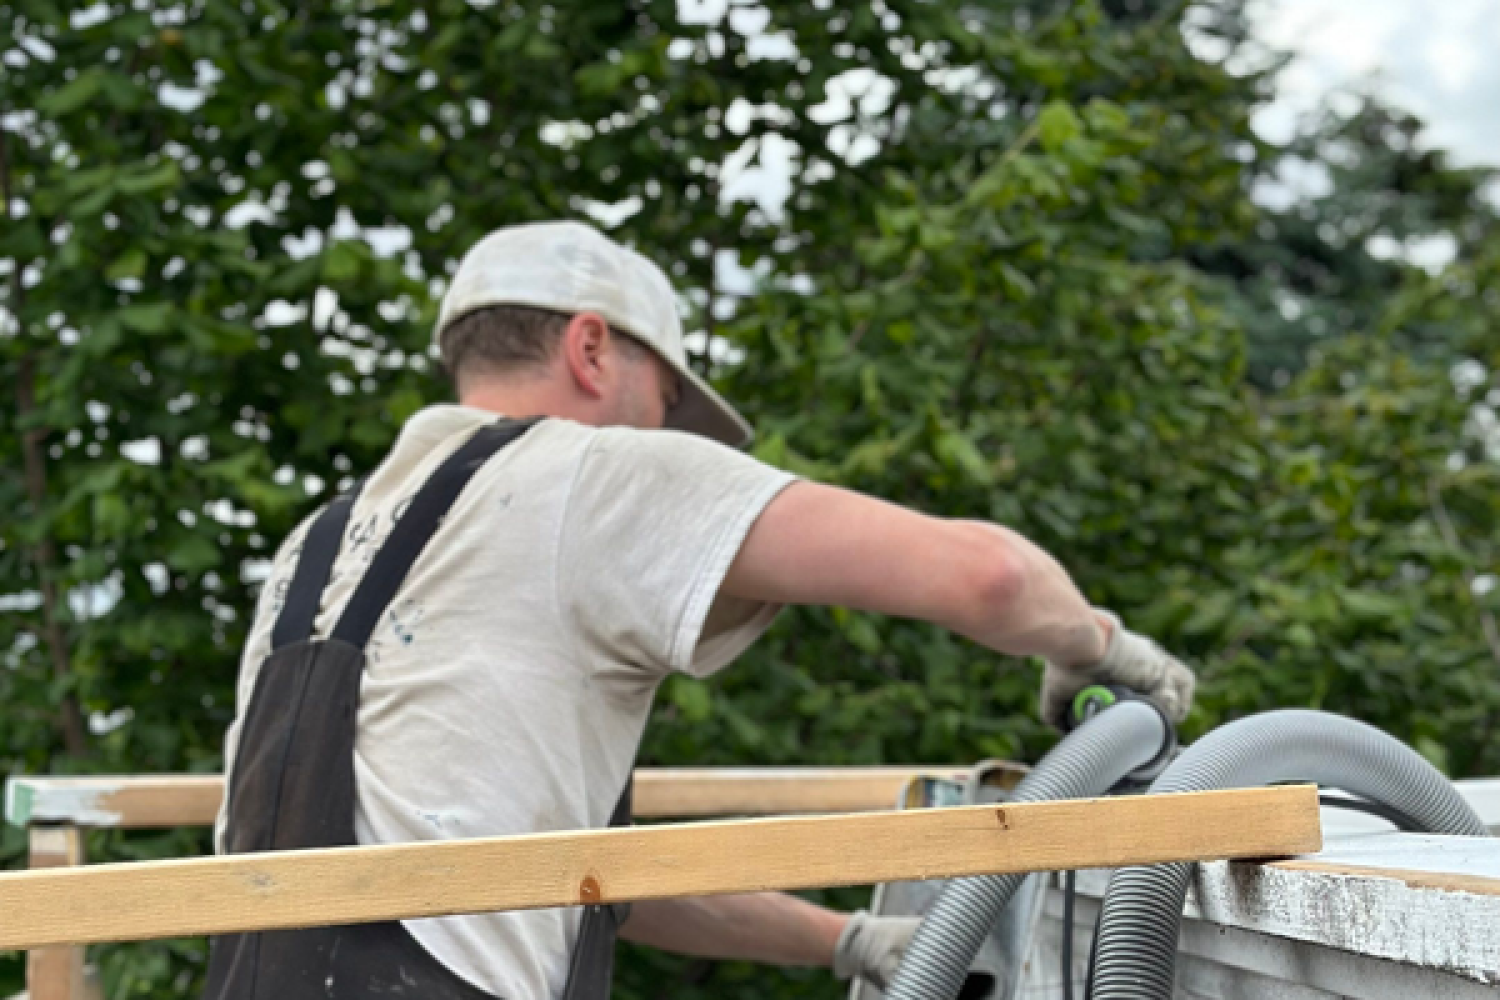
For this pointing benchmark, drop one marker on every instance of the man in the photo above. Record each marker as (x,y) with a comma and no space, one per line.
(508,673)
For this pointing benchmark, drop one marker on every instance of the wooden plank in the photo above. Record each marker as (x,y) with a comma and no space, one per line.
(55,973)
(397,881)
(701,792)
(156,801)
(116,801)
(168,800)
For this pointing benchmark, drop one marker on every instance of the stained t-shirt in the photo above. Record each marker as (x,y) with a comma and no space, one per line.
(507,685)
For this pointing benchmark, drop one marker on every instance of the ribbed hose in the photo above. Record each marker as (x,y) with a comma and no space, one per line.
(1137,944)
(1089,761)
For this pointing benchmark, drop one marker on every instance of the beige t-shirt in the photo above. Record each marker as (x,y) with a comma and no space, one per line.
(508,683)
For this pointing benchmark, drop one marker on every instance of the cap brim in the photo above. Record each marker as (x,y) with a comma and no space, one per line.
(703,411)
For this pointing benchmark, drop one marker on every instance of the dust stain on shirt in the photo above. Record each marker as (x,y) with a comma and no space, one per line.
(404,619)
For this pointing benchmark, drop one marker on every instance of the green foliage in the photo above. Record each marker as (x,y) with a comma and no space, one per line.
(1027,285)
(1331,260)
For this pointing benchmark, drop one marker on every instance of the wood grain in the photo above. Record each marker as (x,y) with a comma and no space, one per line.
(56,973)
(357,884)
(1479,885)
(702,792)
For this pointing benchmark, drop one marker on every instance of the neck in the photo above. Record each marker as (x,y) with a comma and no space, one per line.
(539,398)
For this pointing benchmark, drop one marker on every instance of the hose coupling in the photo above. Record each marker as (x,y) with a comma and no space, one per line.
(1097,698)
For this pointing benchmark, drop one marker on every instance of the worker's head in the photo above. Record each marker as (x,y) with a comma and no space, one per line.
(579,327)
(594,373)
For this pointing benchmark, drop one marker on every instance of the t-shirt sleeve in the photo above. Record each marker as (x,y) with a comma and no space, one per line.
(653,522)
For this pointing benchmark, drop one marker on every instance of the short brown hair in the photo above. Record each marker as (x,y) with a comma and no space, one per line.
(500,339)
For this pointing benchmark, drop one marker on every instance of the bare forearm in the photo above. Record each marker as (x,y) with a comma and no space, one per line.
(1044,616)
(822,545)
(768,927)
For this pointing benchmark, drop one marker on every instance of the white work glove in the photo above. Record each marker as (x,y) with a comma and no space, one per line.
(1130,661)
(871,947)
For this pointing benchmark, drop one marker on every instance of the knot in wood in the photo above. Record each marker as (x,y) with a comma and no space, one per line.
(589,890)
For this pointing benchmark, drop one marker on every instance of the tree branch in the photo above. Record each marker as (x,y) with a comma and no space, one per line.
(44,554)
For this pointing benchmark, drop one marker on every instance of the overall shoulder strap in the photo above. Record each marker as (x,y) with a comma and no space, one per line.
(320,548)
(416,527)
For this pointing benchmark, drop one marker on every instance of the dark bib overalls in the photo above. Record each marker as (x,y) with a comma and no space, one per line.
(293,780)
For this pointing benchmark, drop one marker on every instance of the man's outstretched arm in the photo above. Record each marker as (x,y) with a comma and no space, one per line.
(819,544)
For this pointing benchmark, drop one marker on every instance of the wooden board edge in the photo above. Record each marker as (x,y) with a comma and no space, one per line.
(165,801)
(1479,885)
(18,796)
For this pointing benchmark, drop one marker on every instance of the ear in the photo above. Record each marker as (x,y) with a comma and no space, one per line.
(585,350)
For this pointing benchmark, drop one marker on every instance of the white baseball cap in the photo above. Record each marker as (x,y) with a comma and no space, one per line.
(570,267)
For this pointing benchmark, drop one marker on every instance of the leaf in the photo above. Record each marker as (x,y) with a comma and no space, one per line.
(147,317)
(539,48)
(862,634)
(691,697)
(193,554)
(111,515)
(901,332)
(1105,117)
(1017,284)
(131,264)
(218,337)
(958,451)
(104,338)
(402,404)
(341,262)
(513,37)
(298,279)
(93,203)
(599,79)
(160,177)
(1210,614)
(235,468)
(74,94)
(1372,607)
(1058,123)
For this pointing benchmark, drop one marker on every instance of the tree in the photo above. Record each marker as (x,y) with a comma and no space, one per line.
(1011,277)
(1354,203)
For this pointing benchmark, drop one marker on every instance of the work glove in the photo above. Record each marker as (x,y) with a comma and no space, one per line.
(871,947)
(1130,661)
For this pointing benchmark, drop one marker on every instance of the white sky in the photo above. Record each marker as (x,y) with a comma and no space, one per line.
(1437,58)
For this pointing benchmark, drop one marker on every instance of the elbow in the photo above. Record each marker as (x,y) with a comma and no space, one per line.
(997,576)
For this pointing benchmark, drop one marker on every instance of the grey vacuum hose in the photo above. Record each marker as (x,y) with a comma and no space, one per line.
(1088,762)
(1137,942)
